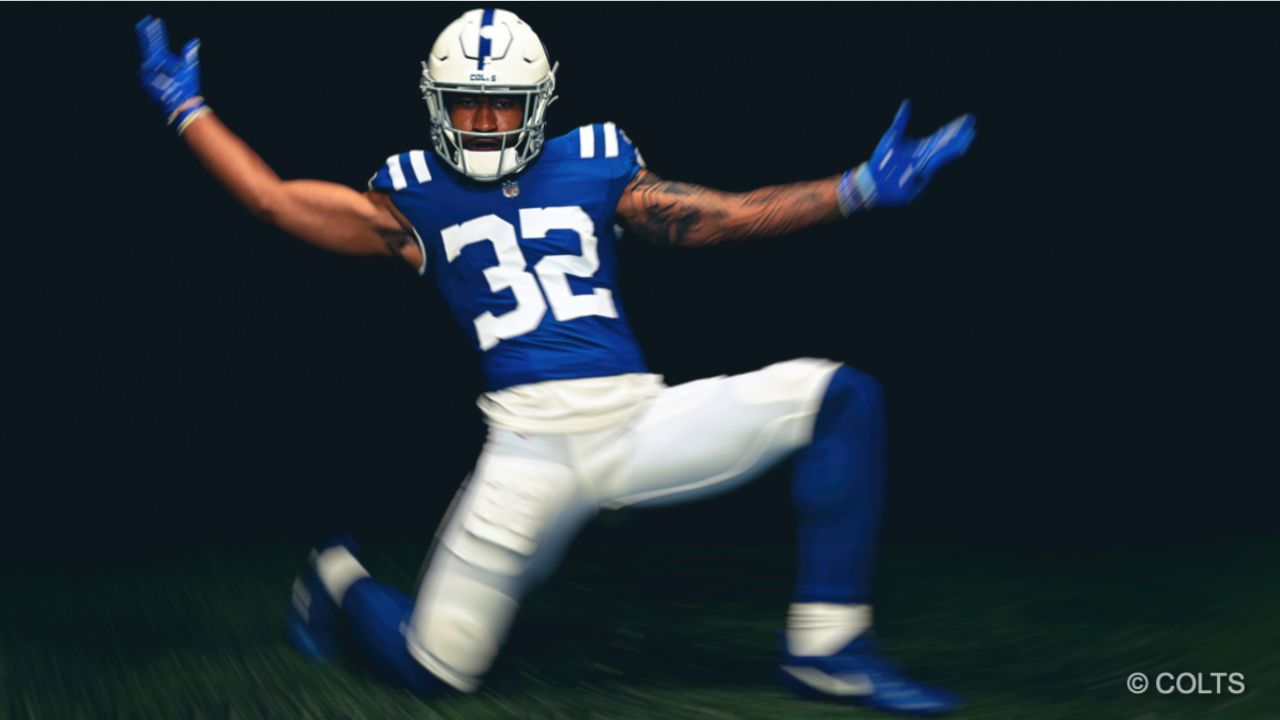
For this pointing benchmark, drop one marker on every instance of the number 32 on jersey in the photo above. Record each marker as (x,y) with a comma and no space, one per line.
(510,273)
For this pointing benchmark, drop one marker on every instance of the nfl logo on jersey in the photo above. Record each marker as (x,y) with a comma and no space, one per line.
(510,189)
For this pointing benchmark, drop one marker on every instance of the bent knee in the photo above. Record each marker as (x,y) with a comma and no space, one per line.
(456,645)
(792,381)
(851,386)
(460,622)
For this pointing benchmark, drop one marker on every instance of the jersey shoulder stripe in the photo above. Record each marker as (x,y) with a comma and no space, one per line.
(401,171)
(600,140)
(597,141)
(610,132)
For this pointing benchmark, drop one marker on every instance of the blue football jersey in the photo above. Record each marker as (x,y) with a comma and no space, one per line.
(528,266)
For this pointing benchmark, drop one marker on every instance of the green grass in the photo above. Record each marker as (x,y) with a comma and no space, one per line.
(662,633)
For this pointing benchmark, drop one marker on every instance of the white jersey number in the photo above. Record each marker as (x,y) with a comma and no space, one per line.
(511,274)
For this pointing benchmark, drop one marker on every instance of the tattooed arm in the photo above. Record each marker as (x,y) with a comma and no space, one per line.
(675,213)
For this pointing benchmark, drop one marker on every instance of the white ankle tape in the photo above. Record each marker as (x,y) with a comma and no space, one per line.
(816,629)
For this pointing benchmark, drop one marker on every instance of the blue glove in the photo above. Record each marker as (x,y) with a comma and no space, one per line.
(170,80)
(900,167)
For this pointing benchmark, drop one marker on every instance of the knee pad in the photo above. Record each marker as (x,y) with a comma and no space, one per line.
(459,625)
(504,536)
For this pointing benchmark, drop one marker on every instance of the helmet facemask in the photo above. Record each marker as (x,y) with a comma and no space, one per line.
(517,148)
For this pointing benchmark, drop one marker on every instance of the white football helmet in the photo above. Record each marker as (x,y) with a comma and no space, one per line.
(488,51)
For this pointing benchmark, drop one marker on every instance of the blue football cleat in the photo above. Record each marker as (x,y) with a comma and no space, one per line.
(859,675)
(313,619)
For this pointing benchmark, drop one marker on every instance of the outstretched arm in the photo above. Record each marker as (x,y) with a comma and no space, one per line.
(675,213)
(328,215)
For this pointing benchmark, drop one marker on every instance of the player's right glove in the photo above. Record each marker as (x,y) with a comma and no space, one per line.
(172,81)
(900,167)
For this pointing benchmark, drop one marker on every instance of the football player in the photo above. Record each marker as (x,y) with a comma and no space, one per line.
(518,232)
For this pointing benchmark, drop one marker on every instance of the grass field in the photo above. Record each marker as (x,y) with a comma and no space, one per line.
(662,633)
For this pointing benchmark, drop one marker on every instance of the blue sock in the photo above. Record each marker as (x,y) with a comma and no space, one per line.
(838,490)
(376,614)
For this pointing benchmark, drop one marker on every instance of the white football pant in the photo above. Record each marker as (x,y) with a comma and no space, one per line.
(530,494)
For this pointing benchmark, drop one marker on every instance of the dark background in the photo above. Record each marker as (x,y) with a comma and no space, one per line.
(1075,325)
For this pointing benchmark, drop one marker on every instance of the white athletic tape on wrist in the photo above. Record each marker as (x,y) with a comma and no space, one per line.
(191,117)
(181,109)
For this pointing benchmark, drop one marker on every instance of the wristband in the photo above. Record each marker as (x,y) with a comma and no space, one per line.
(856,190)
(184,115)
(191,117)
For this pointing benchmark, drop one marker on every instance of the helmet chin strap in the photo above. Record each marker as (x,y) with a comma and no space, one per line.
(485,165)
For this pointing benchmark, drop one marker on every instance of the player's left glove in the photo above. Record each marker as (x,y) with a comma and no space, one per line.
(172,81)
(900,167)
